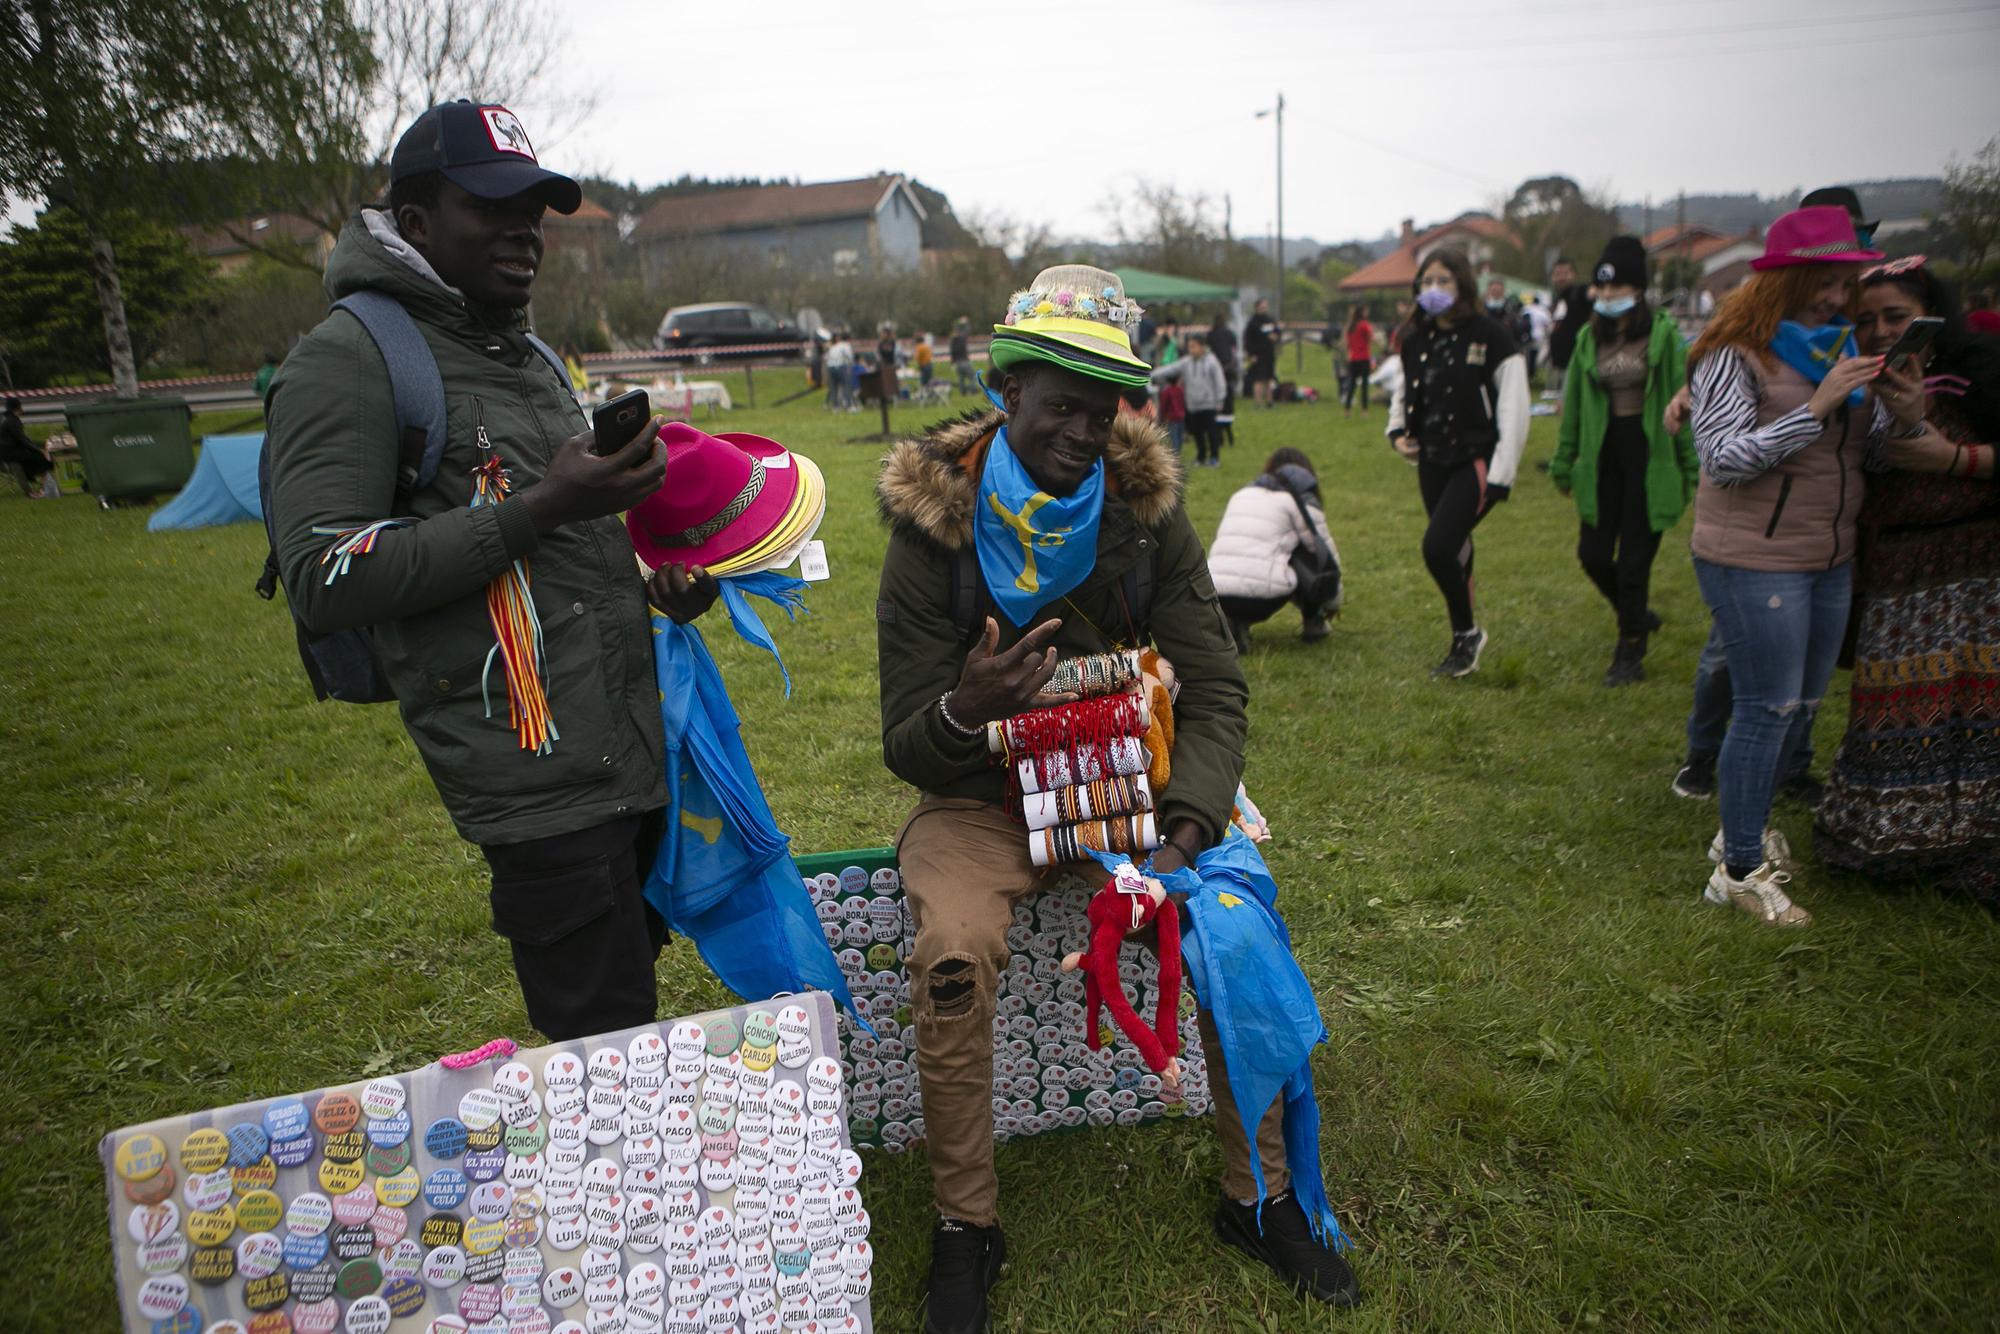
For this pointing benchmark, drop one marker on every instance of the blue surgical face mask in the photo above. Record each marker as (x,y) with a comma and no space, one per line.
(1615,307)
(1436,300)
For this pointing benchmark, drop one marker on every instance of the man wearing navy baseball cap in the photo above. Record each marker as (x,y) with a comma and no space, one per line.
(483,554)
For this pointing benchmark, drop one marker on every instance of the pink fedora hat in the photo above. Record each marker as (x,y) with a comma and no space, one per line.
(723,495)
(1823,234)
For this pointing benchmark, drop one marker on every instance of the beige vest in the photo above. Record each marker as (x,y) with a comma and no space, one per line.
(1801,514)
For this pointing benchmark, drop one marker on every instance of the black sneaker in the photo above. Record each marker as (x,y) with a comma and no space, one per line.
(965,1262)
(1696,780)
(1240,632)
(1463,660)
(1314,629)
(1288,1248)
(1804,789)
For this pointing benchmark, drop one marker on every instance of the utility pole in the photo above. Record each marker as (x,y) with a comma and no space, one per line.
(1278,247)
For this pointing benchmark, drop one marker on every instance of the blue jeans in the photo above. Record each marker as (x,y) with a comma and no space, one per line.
(1709,718)
(1781,632)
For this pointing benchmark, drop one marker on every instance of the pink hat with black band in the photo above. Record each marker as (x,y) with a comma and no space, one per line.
(723,495)
(1823,234)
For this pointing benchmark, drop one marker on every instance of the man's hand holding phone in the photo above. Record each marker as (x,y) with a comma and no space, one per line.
(581,484)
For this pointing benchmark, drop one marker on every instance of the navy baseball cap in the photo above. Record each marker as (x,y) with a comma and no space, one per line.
(482,150)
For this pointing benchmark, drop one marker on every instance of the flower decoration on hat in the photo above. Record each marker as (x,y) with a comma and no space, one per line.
(1075,315)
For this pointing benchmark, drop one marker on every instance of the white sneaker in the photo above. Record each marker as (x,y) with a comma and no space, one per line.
(1761,894)
(1777,851)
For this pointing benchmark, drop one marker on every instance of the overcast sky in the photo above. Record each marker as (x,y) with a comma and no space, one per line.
(1046,109)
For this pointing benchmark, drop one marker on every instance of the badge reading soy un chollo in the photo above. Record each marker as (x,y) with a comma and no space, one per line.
(678,1176)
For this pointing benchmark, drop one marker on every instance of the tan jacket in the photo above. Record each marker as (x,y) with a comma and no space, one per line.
(1800,514)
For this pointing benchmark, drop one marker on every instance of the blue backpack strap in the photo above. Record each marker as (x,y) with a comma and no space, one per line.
(555,363)
(414,382)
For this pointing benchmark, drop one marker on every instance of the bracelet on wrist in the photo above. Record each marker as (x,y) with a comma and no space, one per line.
(944,711)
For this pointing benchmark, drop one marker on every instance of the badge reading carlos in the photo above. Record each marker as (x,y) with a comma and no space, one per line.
(506,133)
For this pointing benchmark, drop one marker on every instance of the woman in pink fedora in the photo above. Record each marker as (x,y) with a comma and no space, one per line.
(1786,416)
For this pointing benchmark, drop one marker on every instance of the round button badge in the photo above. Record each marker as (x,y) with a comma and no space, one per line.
(286,1119)
(398,1190)
(445,1188)
(204,1150)
(152,1189)
(337,1113)
(140,1157)
(294,1152)
(445,1137)
(383,1097)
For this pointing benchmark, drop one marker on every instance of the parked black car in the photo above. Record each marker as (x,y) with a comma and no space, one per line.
(719,328)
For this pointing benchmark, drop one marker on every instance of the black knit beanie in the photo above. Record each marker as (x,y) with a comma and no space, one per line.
(1623,261)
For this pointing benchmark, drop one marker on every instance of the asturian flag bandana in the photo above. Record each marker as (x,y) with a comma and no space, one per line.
(1814,352)
(1033,547)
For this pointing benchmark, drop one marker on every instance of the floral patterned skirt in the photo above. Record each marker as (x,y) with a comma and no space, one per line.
(1915,788)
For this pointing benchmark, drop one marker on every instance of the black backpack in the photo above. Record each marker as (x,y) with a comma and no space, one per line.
(342,665)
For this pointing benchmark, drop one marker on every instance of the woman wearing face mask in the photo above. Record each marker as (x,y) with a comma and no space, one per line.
(1631,478)
(1462,414)
(1915,786)
(1784,419)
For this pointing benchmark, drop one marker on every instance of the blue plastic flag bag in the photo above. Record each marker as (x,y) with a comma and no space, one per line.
(724,876)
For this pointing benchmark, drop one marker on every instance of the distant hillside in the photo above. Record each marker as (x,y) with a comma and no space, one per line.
(1907,198)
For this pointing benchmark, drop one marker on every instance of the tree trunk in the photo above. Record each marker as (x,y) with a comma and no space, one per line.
(111,301)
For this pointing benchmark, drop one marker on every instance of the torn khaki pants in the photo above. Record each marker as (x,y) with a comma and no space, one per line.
(965,864)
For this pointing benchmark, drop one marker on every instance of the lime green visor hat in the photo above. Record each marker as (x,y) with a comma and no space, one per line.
(1075,316)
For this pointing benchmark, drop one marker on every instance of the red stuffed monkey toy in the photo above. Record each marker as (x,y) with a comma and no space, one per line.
(1126,903)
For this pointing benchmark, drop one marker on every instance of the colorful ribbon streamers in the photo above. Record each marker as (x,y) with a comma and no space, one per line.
(351,542)
(517,631)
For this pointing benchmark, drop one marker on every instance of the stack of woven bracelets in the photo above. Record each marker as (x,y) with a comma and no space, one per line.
(1083,775)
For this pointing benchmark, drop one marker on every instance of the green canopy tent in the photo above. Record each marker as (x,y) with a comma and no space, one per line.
(1152,289)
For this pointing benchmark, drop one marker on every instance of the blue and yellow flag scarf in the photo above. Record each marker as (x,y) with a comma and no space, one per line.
(1033,547)
(1814,352)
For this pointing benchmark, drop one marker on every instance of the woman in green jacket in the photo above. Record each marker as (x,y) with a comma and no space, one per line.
(1631,478)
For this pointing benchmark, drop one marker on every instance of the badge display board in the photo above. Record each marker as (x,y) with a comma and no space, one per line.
(1045,1076)
(687,1177)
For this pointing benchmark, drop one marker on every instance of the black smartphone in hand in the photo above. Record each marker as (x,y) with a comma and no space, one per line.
(617,421)
(1916,336)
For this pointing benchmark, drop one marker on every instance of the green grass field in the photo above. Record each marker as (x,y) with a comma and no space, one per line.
(1558,1093)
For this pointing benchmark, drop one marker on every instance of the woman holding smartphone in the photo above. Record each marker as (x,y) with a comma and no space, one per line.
(1915,786)
(1631,477)
(1785,417)
(1461,415)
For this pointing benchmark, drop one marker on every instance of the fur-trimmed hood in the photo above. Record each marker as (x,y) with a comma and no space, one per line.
(930,484)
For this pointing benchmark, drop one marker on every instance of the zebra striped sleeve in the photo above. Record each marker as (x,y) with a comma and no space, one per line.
(1732,447)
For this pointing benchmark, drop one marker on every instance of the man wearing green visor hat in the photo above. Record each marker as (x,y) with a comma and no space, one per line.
(1049,528)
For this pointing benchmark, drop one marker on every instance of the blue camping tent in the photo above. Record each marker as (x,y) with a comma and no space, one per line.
(222,490)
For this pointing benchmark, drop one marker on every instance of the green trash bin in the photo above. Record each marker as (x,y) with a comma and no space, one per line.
(133,447)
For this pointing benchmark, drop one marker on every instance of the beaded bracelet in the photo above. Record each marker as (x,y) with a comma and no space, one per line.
(954,724)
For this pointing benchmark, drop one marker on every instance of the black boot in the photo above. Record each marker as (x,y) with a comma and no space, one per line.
(1240,632)
(965,1262)
(1627,665)
(1289,1248)
(1314,629)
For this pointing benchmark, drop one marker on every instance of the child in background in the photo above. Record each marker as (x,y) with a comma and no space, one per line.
(1173,411)
(923,360)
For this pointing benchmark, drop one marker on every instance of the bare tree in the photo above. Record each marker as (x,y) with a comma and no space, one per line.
(1171,231)
(325,166)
